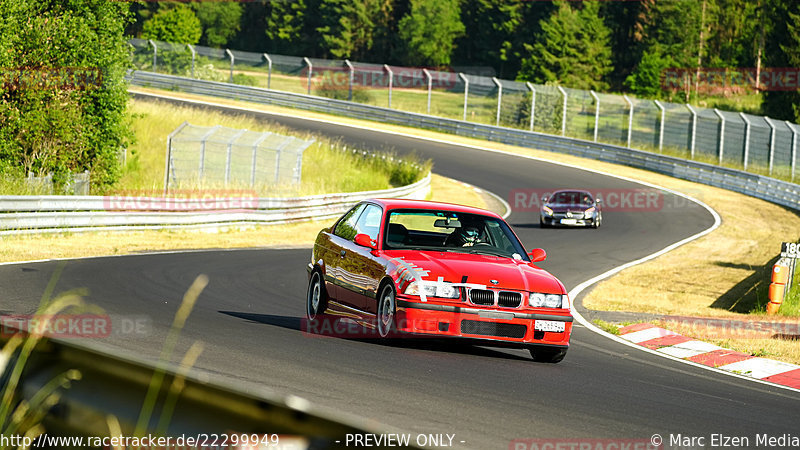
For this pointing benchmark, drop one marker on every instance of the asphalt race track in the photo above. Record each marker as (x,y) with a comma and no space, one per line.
(249,318)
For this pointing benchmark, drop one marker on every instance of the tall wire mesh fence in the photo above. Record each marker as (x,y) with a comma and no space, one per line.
(226,157)
(748,142)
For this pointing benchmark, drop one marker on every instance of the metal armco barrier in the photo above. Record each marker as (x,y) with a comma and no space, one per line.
(53,213)
(766,188)
(116,385)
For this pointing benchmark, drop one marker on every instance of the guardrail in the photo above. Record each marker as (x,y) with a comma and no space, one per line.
(53,213)
(759,186)
(115,385)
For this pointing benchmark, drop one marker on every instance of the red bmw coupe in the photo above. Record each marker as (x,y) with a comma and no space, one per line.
(401,267)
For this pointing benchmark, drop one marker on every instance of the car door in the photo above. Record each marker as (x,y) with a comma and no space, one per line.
(360,270)
(338,244)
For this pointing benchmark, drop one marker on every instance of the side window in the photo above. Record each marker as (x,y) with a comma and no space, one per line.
(347,226)
(369,222)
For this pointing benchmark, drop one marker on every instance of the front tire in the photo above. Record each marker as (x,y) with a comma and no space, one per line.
(386,310)
(316,297)
(550,355)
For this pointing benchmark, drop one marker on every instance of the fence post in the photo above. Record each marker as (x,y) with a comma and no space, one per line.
(230,154)
(278,151)
(771,143)
(430,87)
(661,125)
(499,99)
(203,140)
(794,146)
(721,147)
(596,113)
(155,53)
(563,112)
(269,69)
(255,155)
(533,101)
(310,69)
(191,49)
(230,54)
(350,80)
(391,77)
(747,125)
(694,131)
(630,119)
(169,154)
(466,93)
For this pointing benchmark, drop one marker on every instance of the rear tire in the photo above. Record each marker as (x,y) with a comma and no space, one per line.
(547,354)
(316,297)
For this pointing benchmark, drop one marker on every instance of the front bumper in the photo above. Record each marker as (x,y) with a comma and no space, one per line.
(576,220)
(496,326)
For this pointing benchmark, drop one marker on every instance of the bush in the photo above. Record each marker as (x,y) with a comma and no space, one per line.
(337,92)
(245,80)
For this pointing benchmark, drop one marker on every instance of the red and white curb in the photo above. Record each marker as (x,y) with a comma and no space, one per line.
(682,347)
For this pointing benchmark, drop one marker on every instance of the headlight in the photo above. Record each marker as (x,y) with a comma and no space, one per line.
(431,289)
(590,211)
(547,210)
(539,300)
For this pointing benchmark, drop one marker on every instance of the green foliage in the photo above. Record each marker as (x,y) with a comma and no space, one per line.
(575,49)
(76,120)
(429,31)
(245,80)
(178,24)
(290,25)
(220,21)
(646,80)
(348,26)
(783,50)
(338,92)
(492,33)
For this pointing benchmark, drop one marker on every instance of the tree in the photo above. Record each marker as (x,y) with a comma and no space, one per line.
(429,31)
(574,49)
(647,80)
(491,30)
(63,99)
(220,21)
(177,24)
(292,25)
(782,50)
(348,26)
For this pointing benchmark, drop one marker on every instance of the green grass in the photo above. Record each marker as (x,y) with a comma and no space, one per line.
(791,304)
(327,167)
(608,327)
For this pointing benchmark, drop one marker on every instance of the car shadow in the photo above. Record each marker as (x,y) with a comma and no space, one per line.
(327,328)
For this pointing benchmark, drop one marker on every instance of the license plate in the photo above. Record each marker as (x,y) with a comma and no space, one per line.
(569,221)
(549,325)
(495,315)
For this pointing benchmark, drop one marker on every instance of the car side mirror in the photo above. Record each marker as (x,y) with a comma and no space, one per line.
(544,198)
(537,254)
(599,200)
(365,241)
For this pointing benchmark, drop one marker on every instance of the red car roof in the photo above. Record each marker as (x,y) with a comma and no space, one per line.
(396,203)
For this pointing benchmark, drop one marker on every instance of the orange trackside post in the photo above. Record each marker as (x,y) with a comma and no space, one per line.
(777,289)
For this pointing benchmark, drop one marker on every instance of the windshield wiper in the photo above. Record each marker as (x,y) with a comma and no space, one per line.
(486,252)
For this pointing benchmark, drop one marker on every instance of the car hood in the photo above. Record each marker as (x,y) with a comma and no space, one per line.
(564,207)
(479,269)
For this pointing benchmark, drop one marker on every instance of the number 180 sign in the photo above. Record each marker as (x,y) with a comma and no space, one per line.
(790,250)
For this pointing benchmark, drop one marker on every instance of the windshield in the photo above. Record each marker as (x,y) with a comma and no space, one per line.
(451,232)
(571,198)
